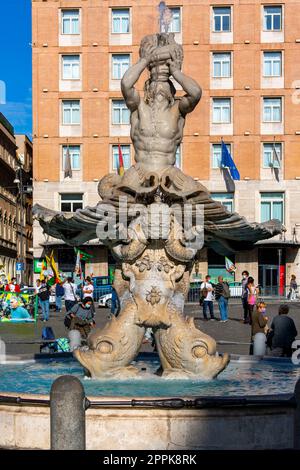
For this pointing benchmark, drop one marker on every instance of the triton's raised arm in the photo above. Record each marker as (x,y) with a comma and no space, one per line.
(193,91)
(131,76)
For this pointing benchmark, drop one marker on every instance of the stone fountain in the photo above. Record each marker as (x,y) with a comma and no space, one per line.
(155,220)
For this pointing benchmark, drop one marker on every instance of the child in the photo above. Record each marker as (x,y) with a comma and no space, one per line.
(259,322)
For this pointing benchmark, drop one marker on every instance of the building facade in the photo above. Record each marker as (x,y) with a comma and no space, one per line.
(242,53)
(15,210)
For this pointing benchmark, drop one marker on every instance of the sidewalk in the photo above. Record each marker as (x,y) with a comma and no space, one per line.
(234,330)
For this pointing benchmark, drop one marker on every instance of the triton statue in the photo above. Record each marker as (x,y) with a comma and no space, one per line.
(152,271)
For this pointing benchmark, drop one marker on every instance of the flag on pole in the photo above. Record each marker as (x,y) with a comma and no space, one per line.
(83,255)
(68,164)
(276,159)
(230,267)
(52,264)
(120,162)
(78,267)
(43,269)
(227,162)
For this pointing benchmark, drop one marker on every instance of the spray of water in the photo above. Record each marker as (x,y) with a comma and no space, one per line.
(165,17)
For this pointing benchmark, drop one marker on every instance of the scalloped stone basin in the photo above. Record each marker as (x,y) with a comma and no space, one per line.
(114,427)
(243,377)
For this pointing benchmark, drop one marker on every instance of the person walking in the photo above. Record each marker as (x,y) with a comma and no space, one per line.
(222,294)
(80,317)
(292,295)
(282,334)
(44,296)
(59,293)
(206,292)
(252,294)
(245,276)
(69,293)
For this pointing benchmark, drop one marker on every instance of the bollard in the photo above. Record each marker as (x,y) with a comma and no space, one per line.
(75,339)
(259,344)
(67,414)
(297,417)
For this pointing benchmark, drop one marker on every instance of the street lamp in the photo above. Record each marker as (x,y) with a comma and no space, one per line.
(19,181)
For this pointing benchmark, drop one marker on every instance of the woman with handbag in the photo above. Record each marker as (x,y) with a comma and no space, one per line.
(252,292)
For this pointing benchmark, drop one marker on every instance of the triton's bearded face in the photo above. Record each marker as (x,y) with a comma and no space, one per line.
(159,91)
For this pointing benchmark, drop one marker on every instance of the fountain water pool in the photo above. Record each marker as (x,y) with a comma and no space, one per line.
(241,378)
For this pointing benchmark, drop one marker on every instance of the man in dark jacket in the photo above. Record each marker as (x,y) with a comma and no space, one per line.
(284,332)
(222,294)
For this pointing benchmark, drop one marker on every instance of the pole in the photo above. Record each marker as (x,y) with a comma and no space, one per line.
(22,227)
(279,264)
(67,414)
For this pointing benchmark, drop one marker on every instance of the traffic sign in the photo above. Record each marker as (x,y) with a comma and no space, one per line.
(20,267)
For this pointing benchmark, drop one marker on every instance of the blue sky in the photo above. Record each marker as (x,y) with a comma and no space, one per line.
(15,64)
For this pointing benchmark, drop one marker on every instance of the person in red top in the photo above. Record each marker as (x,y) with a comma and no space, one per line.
(13,286)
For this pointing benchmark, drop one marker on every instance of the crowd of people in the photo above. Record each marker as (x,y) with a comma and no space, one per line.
(278,337)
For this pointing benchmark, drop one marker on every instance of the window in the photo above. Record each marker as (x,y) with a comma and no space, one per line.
(227,199)
(126,156)
(70,21)
(272,18)
(217,154)
(272,64)
(120,21)
(272,155)
(178,162)
(175,25)
(272,110)
(120,63)
(222,19)
(221,65)
(74,151)
(70,202)
(221,110)
(71,67)
(271,206)
(120,112)
(70,112)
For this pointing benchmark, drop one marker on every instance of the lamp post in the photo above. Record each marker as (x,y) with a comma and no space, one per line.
(19,181)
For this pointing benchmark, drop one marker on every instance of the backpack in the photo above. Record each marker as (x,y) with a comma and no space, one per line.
(226,290)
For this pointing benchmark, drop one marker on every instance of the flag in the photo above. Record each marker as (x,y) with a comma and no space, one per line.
(230,267)
(276,159)
(68,164)
(78,268)
(51,262)
(227,162)
(43,269)
(120,162)
(83,255)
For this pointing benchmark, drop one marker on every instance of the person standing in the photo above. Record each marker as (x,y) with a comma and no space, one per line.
(259,322)
(69,293)
(282,334)
(293,288)
(206,290)
(59,293)
(252,294)
(222,294)
(88,288)
(245,276)
(13,286)
(44,296)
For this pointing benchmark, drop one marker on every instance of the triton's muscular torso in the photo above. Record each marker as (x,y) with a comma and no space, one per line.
(156,132)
